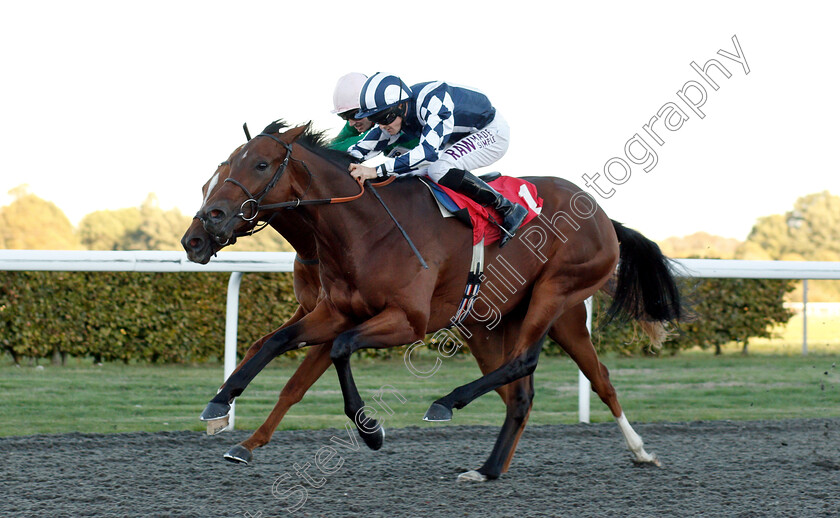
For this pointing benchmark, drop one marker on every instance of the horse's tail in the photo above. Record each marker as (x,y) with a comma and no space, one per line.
(644,287)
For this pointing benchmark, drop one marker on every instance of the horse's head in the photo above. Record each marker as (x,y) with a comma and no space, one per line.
(199,244)
(257,174)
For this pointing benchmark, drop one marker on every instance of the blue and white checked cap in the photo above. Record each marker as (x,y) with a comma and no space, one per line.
(381,91)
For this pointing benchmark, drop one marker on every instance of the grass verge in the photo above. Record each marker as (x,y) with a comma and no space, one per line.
(688,387)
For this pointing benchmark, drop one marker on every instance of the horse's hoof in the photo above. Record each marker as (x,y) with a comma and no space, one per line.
(239,454)
(438,412)
(649,460)
(217,417)
(375,439)
(217,426)
(472,476)
(215,411)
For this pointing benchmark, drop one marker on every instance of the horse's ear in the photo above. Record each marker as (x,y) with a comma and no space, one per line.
(294,133)
(275,126)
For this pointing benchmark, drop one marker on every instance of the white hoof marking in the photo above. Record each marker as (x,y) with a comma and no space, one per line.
(648,458)
(635,444)
(471,476)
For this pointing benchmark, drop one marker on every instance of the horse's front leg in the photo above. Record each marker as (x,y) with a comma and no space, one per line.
(322,325)
(256,346)
(390,328)
(219,425)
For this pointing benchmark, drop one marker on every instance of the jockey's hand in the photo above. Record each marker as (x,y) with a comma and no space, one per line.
(360,171)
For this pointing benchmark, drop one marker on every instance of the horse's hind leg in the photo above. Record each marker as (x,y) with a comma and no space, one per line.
(571,333)
(490,348)
(520,397)
(516,366)
(316,362)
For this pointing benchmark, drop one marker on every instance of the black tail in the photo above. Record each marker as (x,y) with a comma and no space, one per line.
(645,289)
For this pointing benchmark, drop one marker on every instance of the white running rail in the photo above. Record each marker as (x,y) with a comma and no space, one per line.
(239,262)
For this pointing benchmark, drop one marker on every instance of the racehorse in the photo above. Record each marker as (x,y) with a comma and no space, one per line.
(201,247)
(365,303)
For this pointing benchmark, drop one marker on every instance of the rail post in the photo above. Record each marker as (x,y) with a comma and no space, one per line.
(584,387)
(805,317)
(231,328)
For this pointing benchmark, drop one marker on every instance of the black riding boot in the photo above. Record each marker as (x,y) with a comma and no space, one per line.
(469,185)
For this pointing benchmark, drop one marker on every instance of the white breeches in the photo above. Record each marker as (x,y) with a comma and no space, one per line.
(480,149)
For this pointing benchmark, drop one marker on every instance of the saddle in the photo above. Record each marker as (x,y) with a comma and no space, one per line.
(484,223)
(485,220)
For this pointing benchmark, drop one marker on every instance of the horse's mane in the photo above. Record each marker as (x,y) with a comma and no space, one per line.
(315,141)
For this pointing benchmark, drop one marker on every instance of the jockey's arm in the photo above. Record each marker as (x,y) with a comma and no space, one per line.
(373,143)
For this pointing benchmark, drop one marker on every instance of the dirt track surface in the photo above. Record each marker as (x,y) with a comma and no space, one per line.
(743,469)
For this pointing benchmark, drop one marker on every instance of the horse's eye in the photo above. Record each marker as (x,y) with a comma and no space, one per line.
(262,166)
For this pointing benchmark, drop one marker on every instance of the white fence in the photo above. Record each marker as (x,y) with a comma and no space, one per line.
(239,262)
(145,261)
(815,309)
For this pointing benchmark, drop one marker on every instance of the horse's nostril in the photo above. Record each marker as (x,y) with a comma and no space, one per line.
(216,214)
(195,242)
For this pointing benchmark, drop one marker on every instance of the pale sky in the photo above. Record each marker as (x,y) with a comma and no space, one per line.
(105,102)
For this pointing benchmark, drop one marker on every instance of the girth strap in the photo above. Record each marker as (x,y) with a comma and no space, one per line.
(473,283)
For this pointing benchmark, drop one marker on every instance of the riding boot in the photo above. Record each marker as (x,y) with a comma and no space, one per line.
(469,185)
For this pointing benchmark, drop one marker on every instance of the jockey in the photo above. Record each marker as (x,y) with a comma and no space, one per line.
(458,130)
(346,102)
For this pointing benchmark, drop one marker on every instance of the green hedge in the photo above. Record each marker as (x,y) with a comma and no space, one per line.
(180,317)
(157,317)
(718,311)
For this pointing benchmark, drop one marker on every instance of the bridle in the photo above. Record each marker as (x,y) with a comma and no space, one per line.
(256,199)
(299,202)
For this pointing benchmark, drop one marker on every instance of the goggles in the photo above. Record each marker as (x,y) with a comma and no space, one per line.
(349,115)
(386,116)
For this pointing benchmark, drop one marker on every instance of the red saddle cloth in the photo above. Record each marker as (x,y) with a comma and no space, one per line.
(515,189)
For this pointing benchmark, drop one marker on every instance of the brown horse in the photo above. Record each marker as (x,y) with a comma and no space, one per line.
(201,247)
(367,304)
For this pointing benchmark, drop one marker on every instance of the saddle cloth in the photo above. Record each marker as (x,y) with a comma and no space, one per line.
(477,216)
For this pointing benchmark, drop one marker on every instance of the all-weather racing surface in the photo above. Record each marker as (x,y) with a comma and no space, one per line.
(709,468)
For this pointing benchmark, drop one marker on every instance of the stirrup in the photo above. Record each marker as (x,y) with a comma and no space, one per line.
(516,217)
